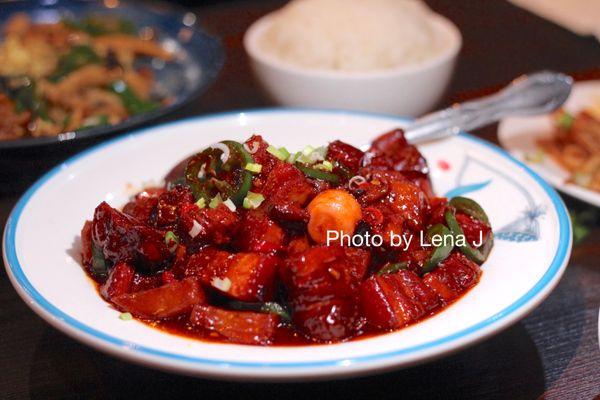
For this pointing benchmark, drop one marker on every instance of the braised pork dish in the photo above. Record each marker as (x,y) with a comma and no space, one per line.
(253,244)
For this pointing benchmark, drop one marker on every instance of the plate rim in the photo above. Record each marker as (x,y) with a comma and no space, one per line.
(336,366)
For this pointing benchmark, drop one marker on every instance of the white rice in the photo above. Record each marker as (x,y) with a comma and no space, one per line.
(352,35)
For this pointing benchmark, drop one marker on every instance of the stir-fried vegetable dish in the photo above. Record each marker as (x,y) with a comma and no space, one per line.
(238,245)
(575,145)
(73,75)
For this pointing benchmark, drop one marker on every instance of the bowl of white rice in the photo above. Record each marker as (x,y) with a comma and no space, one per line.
(388,56)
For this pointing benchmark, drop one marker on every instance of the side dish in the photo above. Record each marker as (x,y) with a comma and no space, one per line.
(72,75)
(250,243)
(575,145)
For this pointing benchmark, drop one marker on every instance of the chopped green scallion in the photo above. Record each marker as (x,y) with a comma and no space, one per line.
(253,200)
(201,203)
(324,166)
(125,316)
(292,158)
(214,203)
(282,155)
(308,150)
(254,167)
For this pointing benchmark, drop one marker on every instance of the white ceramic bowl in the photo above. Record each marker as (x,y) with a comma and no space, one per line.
(408,90)
(42,237)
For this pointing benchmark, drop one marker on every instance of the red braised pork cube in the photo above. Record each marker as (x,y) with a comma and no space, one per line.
(166,301)
(392,151)
(345,155)
(120,281)
(287,191)
(180,260)
(124,239)
(252,276)
(404,201)
(422,181)
(415,255)
(326,270)
(323,285)
(242,276)
(298,245)
(476,232)
(392,301)
(169,204)
(257,146)
(207,225)
(208,261)
(167,277)
(143,282)
(453,277)
(415,289)
(437,209)
(143,206)
(259,233)
(329,320)
(245,327)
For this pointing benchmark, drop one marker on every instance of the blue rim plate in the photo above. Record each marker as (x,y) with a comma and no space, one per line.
(527,215)
(199,56)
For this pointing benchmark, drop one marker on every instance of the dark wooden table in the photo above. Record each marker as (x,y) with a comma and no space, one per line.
(553,353)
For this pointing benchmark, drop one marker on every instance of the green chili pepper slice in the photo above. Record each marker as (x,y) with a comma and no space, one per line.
(486,248)
(441,252)
(131,101)
(392,268)
(474,254)
(23,90)
(269,307)
(99,267)
(469,207)
(99,25)
(77,57)
(208,175)
(317,173)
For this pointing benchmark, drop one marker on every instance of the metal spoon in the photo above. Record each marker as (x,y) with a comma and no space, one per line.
(537,93)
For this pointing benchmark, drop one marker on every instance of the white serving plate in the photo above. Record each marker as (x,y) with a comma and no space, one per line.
(41,247)
(518,136)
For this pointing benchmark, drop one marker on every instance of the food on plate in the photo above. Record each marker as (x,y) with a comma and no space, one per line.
(359,35)
(575,145)
(72,75)
(251,243)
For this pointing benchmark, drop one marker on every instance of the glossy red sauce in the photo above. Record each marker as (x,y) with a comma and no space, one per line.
(285,334)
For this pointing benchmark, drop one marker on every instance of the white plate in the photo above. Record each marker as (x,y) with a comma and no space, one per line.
(518,136)
(41,246)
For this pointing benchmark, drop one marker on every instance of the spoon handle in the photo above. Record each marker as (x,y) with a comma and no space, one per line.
(538,93)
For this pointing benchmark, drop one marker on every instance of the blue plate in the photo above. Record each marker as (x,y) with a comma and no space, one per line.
(199,56)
